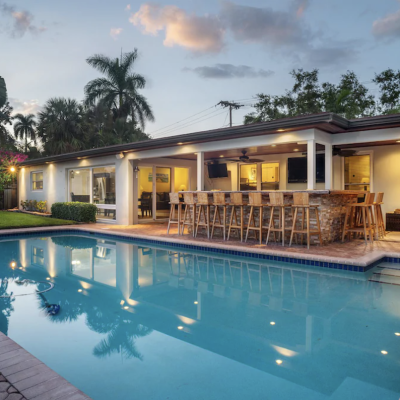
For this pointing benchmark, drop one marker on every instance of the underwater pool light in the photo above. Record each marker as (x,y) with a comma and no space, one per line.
(279,362)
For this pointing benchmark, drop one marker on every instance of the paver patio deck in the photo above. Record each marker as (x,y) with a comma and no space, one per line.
(24,377)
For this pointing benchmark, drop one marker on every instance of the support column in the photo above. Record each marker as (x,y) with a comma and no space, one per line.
(124,191)
(200,170)
(311,164)
(328,167)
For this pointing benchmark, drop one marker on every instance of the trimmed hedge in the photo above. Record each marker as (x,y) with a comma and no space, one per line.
(74,211)
(74,242)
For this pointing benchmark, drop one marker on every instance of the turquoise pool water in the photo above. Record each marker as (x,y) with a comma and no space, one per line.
(141,322)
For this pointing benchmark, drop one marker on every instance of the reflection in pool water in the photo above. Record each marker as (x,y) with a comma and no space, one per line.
(154,323)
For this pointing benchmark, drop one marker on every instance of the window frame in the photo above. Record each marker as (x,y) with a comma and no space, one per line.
(32,181)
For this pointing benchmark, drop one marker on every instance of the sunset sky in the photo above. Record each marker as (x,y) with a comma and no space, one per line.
(193,53)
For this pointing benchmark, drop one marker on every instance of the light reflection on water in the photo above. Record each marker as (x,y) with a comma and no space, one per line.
(154,323)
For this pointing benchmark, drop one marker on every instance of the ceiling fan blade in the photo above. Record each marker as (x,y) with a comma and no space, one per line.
(255,160)
(347,153)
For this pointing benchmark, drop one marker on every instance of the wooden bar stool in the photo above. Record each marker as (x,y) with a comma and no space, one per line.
(175,205)
(189,215)
(380,224)
(255,203)
(236,204)
(218,202)
(203,213)
(367,223)
(276,202)
(302,201)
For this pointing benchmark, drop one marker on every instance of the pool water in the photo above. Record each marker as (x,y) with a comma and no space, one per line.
(141,322)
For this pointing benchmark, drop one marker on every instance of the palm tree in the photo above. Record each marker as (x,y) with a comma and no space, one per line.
(61,126)
(119,89)
(3,92)
(24,128)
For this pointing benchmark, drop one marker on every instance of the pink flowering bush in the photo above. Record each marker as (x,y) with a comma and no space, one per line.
(9,159)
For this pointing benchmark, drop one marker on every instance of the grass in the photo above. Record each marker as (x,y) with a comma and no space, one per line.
(15,220)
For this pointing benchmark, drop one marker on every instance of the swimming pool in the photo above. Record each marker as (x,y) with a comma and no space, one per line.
(156,323)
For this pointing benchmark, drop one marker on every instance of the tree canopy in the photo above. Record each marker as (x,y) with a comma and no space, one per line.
(349,98)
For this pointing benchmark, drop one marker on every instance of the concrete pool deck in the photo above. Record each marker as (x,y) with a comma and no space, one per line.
(24,377)
(355,252)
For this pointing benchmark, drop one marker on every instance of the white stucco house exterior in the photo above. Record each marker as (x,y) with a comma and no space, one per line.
(130,183)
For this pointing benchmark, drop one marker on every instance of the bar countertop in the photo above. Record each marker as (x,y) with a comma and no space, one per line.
(288,192)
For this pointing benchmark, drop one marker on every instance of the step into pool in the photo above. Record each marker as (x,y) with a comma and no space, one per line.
(154,322)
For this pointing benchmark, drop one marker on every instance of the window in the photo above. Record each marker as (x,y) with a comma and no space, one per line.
(94,185)
(357,172)
(37,180)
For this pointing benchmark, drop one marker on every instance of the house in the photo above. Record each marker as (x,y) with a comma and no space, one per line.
(130,183)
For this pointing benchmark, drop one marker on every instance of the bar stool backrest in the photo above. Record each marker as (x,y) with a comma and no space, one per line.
(219,198)
(276,199)
(379,197)
(255,199)
(237,198)
(202,198)
(188,198)
(369,198)
(174,198)
(301,199)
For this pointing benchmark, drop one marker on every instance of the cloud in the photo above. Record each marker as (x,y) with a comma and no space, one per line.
(228,71)
(115,32)
(24,107)
(387,27)
(301,6)
(264,25)
(22,21)
(201,34)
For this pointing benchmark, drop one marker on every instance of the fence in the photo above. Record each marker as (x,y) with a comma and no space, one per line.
(8,198)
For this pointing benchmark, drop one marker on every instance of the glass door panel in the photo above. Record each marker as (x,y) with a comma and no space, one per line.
(145,192)
(270,176)
(248,177)
(163,189)
(357,172)
(79,185)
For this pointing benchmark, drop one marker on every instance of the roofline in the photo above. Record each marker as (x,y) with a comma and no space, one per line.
(329,122)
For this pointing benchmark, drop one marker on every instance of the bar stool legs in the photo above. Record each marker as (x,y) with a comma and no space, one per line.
(234,224)
(174,201)
(252,226)
(277,228)
(203,212)
(307,229)
(189,215)
(218,222)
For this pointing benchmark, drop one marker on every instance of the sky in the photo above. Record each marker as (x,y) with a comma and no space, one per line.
(193,54)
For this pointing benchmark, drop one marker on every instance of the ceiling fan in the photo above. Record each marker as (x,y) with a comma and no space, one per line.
(243,159)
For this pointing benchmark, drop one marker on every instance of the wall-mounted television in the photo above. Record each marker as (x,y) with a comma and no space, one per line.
(217,171)
(297,169)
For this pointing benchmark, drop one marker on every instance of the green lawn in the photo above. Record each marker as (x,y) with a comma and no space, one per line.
(13,220)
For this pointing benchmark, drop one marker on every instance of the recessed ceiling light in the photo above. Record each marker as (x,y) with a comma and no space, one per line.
(279,362)
(273,145)
(296,150)
(221,156)
(126,308)
(180,327)
(384,352)
(80,290)
(180,143)
(47,279)
(272,323)
(281,130)
(397,141)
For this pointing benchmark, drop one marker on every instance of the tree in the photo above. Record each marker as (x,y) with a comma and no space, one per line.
(61,126)
(24,128)
(8,166)
(6,140)
(349,98)
(389,85)
(119,90)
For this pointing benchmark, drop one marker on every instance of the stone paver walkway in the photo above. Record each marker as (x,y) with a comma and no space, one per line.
(24,377)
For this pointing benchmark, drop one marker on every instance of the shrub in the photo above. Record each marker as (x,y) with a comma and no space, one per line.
(74,242)
(74,211)
(34,205)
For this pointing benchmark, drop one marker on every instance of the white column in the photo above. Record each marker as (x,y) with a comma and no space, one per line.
(200,170)
(124,191)
(311,164)
(328,167)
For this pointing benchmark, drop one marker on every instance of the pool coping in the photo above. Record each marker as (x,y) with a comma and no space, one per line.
(362,264)
(33,379)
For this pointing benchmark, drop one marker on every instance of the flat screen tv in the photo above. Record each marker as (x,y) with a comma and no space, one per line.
(297,169)
(217,171)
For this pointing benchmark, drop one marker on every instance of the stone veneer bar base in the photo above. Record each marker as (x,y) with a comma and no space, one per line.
(24,377)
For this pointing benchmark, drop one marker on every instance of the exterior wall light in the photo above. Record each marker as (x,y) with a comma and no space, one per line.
(12,169)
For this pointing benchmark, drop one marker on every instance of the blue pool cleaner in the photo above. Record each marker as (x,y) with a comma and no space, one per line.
(51,309)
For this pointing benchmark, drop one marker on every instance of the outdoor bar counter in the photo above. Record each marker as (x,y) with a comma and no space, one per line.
(331,206)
